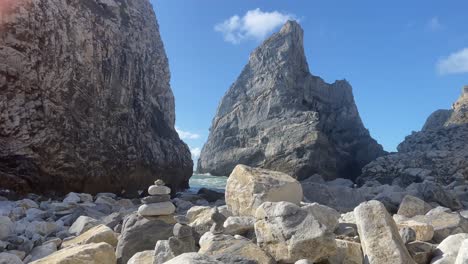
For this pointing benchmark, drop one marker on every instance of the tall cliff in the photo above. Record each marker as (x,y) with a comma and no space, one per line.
(438,151)
(277,115)
(85,101)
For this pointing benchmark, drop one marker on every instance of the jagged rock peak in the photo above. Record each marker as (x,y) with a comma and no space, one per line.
(278,116)
(85,100)
(455,116)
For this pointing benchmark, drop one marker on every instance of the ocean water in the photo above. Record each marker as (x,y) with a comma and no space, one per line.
(211,182)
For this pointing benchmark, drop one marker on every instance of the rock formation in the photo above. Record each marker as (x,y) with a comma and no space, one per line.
(437,152)
(85,101)
(278,116)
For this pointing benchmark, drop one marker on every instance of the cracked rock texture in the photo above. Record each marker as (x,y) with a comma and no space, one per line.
(278,116)
(85,101)
(439,151)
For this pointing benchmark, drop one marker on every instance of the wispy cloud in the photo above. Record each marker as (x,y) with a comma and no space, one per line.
(195,153)
(255,24)
(434,24)
(187,134)
(455,63)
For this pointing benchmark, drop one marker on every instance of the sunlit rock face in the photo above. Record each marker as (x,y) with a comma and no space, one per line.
(85,101)
(438,151)
(278,116)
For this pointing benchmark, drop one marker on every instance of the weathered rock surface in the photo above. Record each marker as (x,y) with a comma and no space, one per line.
(140,234)
(448,250)
(290,233)
(145,257)
(278,116)
(439,151)
(247,188)
(380,240)
(219,244)
(412,206)
(100,253)
(98,234)
(87,106)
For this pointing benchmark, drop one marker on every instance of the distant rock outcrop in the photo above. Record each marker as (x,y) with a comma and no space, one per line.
(437,152)
(278,116)
(85,101)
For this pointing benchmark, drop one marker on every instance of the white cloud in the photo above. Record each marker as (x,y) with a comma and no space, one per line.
(255,24)
(195,153)
(187,134)
(434,24)
(455,63)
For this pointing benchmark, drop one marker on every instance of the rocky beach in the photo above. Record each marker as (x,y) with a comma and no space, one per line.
(93,170)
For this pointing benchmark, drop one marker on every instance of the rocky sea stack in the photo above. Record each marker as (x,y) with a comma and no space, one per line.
(439,151)
(278,116)
(85,101)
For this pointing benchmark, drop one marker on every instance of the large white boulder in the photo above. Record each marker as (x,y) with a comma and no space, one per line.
(100,253)
(247,188)
(290,233)
(100,233)
(447,251)
(380,240)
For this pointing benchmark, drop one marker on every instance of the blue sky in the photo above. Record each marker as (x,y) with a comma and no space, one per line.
(404,59)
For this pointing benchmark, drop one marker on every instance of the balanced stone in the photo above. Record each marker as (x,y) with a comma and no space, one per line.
(156,199)
(159,183)
(158,190)
(156,209)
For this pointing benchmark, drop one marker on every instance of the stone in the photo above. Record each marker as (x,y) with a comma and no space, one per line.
(324,214)
(347,253)
(140,233)
(193,258)
(97,234)
(42,228)
(290,233)
(83,224)
(42,251)
(6,227)
(462,257)
(158,190)
(200,219)
(92,123)
(27,203)
(239,225)
(247,188)
(164,208)
(162,252)
(210,195)
(218,221)
(182,231)
(378,232)
(144,257)
(444,224)
(407,234)
(36,214)
(423,231)
(447,251)
(113,219)
(105,200)
(159,182)
(303,261)
(432,192)
(421,252)
(94,253)
(278,116)
(156,199)
(182,219)
(220,244)
(412,206)
(72,198)
(7,258)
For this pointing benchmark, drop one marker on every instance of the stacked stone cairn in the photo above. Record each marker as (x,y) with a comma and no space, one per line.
(158,202)
(182,242)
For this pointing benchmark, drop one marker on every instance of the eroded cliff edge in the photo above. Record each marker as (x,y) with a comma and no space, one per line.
(277,115)
(85,100)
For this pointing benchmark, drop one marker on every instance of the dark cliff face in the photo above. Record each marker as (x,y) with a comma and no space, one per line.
(278,116)
(85,101)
